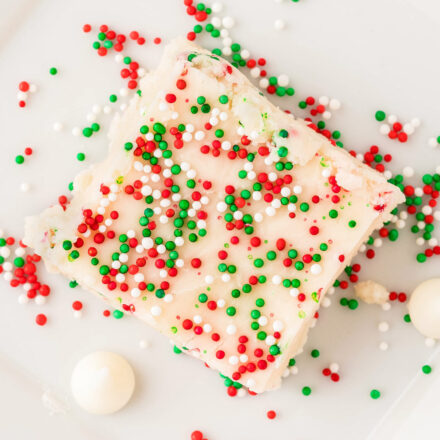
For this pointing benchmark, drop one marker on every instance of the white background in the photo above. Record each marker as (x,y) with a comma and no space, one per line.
(369,54)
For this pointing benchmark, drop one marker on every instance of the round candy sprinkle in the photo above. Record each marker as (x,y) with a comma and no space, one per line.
(380,115)
(53,70)
(375,394)
(306,391)
(41,319)
(271,414)
(426,369)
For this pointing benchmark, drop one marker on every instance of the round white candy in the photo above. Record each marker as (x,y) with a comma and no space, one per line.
(279,24)
(102,382)
(424,308)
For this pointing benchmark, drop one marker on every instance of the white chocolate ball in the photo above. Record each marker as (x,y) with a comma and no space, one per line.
(424,308)
(102,382)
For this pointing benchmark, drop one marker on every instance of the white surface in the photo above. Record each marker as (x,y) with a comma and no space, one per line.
(370,55)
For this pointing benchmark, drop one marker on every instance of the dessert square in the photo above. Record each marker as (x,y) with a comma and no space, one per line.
(217,218)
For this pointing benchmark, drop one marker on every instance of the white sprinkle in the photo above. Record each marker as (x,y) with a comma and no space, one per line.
(415,122)
(429,342)
(294,292)
(408,128)
(199,135)
(228,22)
(216,22)
(24,187)
(221,303)
(384,129)
(233,360)
(77,314)
(221,206)
(383,346)
(57,126)
(143,344)
(23,299)
(207,328)
(40,300)
(383,326)
(231,329)
(262,320)
(168,298)
(392,119)
(22,96)
(279,24)
(315,269)
(276,279)
(408,171)
(264,82)
(135,293)
(270,340)
(245,54)
(33,88)
(326,302)
(283,80)
(335,104)
(324,100)
(293,370)
(258,217)
(227,51)
(418,191)
(156,310)
(217,7)
(297,189)
(278,325)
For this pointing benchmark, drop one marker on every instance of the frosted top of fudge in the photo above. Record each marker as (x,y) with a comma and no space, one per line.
(217,218)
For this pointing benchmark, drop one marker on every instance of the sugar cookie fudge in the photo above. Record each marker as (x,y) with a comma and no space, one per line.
(217,218)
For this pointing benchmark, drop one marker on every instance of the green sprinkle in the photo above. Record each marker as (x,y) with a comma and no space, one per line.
(53,70)
(118,314)
(375,394)
(231,311)
(80,156)
(67,245)
(159,128)
(87,132)
(315,353)
(223,99)
(353,304)
(380,115)
(113,98)
(407,318)
(19,262)
(426,369)
(307,391)
(19,159)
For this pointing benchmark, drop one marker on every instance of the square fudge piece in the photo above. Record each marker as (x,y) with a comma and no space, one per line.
(217,218)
